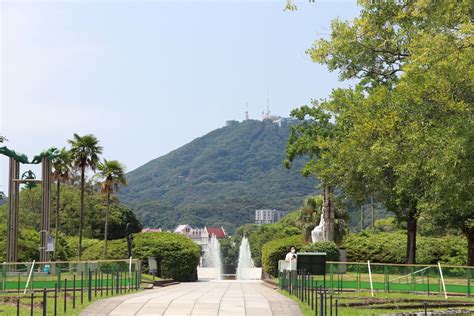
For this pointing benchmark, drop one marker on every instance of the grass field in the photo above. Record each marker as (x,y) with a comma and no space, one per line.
(8,301)
(360,303)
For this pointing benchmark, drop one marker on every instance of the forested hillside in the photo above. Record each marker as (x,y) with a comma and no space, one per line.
(219,179)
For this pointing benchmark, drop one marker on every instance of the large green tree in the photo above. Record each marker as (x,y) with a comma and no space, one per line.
(313,138)
(85,151)
(61,170)
(112,174)
(406,129)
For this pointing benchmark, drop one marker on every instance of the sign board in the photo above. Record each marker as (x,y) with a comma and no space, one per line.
(152,265)
(313,263)
(50,243)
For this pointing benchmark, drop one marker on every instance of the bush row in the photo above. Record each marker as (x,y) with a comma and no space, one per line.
(391,248)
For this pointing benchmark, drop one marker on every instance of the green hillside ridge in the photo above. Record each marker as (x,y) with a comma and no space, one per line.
(219,179)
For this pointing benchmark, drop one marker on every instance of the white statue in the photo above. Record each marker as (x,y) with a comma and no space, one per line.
(317,234)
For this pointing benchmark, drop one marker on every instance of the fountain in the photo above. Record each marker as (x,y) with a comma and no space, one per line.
(213,258)
(246,269)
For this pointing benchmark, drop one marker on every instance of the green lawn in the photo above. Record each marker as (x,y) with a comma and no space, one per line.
(399,302)
(9,308)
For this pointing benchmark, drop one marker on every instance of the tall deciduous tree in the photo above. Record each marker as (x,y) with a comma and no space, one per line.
(112,174)
(61,170)
(85,151)
(313,138)
(414,62)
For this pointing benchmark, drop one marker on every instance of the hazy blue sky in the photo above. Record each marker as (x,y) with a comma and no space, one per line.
(146,77)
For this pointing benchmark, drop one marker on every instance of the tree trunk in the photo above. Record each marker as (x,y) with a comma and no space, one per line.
(411,236)
(470,247)
(56,221)
(362,215)
(373,211)
(329,213)
(106,225)
(81,214)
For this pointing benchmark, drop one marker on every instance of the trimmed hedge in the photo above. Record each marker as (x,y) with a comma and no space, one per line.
(391,248)
(328,247)
(116,249)
(276,250)
(177,255)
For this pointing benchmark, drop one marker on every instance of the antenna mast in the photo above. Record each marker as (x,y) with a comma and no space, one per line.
(247,111)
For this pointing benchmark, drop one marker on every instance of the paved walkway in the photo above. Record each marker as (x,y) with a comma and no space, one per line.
(232,298)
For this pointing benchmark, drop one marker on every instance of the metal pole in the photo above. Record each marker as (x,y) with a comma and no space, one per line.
(82,287)
(370,278)
(65,295)
(31,303)
(45,207)
(13,210)
(55,299)
(74,292)
(44,302)
(89,286)
(442,280)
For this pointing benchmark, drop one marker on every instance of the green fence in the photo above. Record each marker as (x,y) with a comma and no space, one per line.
(420,279)
(18,277)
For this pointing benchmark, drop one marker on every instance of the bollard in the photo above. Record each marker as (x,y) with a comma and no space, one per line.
(44,302)
(65,295)
(55,299)
(337,306)
(18,307)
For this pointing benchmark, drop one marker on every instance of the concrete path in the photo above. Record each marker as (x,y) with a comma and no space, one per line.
(232,298)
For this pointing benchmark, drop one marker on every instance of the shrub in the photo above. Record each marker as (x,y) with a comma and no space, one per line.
(391,248)
(328,247)
(116,249)
(276,250)
(177,255)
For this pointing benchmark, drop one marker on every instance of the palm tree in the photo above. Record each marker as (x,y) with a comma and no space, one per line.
(112,174)
(309,215)
(85,151)
(62,168)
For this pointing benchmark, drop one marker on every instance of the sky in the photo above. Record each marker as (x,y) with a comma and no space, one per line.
(147,77)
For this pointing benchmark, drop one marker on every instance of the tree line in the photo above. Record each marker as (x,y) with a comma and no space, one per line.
(403,134)
(72,165)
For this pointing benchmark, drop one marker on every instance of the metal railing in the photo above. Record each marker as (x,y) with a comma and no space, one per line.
(380,277)
(56,288)
(21,277)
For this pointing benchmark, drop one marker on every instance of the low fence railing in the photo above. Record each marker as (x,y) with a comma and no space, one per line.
(58,288)
(378,277)
(23,277)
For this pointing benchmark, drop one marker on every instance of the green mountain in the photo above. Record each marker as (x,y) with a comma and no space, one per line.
(219,179)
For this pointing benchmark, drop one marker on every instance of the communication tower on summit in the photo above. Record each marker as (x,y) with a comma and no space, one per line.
(247,111)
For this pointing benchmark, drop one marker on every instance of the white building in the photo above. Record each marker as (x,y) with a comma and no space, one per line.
(268,216)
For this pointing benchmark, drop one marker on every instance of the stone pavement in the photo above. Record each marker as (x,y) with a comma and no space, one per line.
(232,298)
